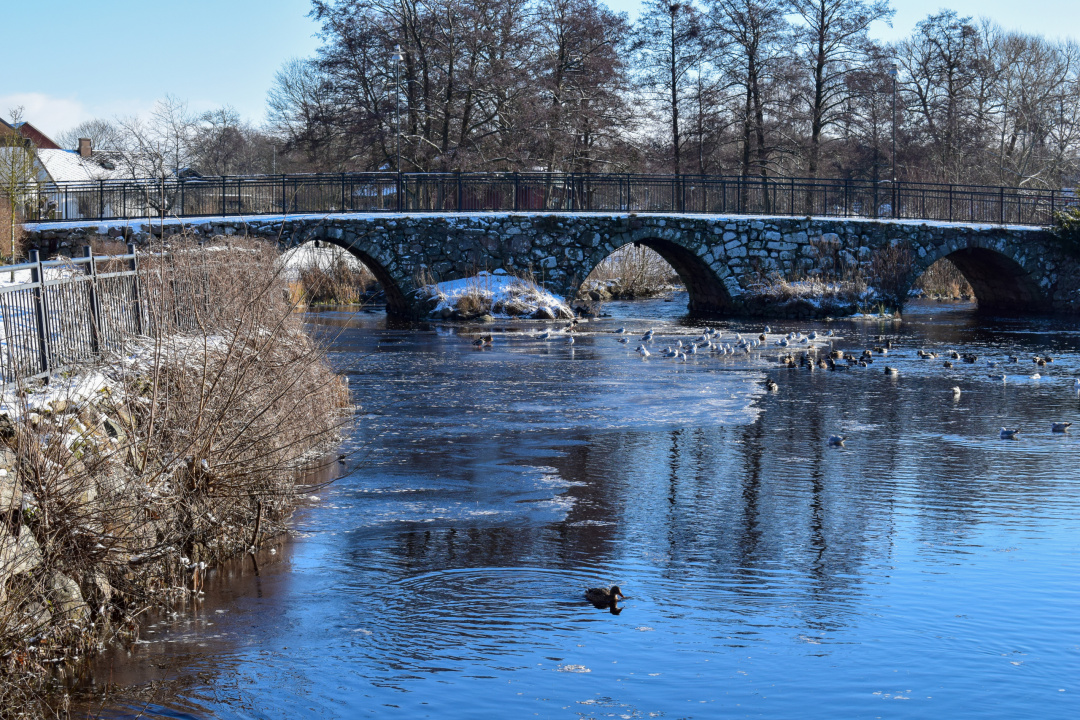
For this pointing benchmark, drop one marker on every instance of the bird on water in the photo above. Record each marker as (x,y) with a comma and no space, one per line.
(1007,434)
(1059,427)
(604,597)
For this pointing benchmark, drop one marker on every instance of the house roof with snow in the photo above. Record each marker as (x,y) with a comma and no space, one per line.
(31,133)
(69,166)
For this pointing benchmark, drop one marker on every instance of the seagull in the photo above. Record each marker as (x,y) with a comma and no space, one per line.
(1007,434)
(891,371)
(624,340)
(1036,376)
(1059,427)
(956,392)
(620,331)
(836,440)
(643,351)
(544,335)
(771,385)
(570,340)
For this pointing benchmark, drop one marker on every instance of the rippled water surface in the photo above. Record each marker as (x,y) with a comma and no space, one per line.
(925,569)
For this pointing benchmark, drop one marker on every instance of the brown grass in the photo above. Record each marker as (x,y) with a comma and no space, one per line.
(335,281)
(944,280)
(5,234)
(632,271)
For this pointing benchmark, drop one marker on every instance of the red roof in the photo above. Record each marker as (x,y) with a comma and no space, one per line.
(31,133)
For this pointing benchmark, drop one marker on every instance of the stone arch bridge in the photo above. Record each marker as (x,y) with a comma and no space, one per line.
(1012,269)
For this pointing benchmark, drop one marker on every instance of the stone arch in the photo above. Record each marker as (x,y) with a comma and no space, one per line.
(708,295)
(1002,284)
(397,292)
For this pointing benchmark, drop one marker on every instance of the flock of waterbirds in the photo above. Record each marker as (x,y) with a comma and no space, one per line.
(797,350)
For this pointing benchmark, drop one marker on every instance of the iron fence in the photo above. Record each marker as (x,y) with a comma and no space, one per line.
(547,192)
(58,314)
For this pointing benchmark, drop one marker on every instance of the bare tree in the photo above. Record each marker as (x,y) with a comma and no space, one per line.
(103,135)
(670,43)
(18,175)
(832,42)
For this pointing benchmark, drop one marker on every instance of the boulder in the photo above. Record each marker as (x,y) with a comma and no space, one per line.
(67,599)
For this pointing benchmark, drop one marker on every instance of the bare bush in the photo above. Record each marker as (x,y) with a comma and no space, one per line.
(335,278)
(137,474)
(632,271)
(944,280)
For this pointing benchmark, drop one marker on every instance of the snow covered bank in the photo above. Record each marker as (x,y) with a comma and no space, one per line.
(812,298)
(496,294)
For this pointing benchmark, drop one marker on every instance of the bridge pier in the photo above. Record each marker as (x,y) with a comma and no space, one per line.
(721,259)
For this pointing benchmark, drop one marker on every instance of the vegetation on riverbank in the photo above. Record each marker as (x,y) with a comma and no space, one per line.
(328,276)
(485,294)
(631,272)
(121,484)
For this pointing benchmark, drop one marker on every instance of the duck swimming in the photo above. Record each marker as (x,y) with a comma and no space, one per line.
(604,597)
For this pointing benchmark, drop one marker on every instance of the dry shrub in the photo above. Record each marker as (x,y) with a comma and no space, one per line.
(189,455)
(633,271)
(476,300)
(890,267)
(335,280)
(944,280)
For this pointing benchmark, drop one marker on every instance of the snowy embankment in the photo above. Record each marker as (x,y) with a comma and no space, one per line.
(812,298)
(496,295)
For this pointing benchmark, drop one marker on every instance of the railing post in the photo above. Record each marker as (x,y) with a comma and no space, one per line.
(896,200)
(284,200)
(1053,209)
(459,195)
(1001,206)
(101,199)
(90,269)
(181,197)
(791,200)
(950,218)
(41,315)
(222,194)
(516,184)
(133,266)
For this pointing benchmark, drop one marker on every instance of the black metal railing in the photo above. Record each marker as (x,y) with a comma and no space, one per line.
(540,192)
(56,315)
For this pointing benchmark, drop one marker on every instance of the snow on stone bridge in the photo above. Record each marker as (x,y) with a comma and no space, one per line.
(1012,268)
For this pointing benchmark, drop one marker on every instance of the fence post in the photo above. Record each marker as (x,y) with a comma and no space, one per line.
(90,269)
(133,266)
(284,195)
(101,199)
(342,192)
(1001,206)
(399,184)
(41,315)
(1053,210)
(896,200)
(791,200)
(222,194)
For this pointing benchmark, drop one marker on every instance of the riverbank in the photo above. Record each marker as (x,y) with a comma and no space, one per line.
(123,482)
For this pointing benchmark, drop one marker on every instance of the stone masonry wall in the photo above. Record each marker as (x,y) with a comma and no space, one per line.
(720,258)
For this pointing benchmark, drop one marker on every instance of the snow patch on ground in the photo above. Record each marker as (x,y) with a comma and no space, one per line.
(497,294)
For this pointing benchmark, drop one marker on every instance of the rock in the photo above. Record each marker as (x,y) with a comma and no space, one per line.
(18,555)
(485,318)
(67,600)
(544,313)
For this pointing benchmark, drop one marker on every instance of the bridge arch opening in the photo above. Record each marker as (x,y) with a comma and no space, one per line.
(661,261)
(326,272)
(999,284)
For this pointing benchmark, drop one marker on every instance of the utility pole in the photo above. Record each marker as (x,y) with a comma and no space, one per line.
(893,72)
(398,57)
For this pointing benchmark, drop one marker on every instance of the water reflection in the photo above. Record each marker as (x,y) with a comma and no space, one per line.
(926,561)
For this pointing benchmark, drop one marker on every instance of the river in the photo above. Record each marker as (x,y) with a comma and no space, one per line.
(926,568)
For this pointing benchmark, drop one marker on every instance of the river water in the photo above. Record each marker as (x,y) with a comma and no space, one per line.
(927,568)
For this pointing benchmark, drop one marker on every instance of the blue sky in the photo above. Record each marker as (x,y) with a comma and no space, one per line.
(78,60)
